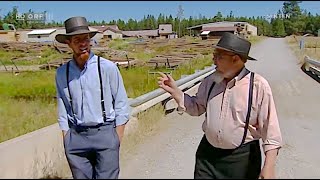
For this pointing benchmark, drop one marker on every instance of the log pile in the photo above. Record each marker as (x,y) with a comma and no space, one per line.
(172,52)
(24,47)
(180,51)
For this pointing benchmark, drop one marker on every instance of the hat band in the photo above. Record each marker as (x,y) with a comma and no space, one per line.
(77,28)
(237,51)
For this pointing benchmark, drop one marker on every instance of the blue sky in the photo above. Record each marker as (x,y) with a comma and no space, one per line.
(113,10)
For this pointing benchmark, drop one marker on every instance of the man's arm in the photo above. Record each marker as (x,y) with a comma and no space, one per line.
(268,170)
(121,106)
(193,105)
(271,134)
(120,131)
(64,133)
(62,112)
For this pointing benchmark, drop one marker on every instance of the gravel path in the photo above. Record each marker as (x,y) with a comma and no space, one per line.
(171,153)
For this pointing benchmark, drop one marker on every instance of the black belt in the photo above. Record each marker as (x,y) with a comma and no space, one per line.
(85,128)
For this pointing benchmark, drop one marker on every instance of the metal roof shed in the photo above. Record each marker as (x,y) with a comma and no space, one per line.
(41,32)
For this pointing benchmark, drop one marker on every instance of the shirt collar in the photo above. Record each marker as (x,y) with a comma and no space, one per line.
(244,71)
(90,60)
(242,74)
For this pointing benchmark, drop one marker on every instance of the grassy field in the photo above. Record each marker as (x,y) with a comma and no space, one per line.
(311,47)
(32,58)
(138,81)
(27,100)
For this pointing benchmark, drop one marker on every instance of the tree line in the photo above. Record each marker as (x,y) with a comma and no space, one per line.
(290,19)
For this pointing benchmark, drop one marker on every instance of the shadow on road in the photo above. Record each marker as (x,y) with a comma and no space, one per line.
(313,76)
(169,111)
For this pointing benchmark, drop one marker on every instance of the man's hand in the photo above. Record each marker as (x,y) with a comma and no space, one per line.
(167,83)
(268,170)
(120,131)
(267,173)
(64,133)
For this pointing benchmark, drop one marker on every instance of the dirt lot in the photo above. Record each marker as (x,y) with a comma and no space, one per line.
(151,52)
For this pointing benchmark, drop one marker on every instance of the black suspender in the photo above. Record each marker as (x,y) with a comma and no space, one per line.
(73,115)
(249,106)
(209,92)
(101,90)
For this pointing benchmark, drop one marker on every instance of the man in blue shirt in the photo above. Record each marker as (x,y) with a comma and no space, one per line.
(92,106)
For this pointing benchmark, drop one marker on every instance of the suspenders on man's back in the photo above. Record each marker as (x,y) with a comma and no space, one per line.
(249,105)
(101,90)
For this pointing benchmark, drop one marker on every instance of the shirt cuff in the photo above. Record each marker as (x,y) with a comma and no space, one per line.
(64,126)
(121,120)
(268,147)
(181,108)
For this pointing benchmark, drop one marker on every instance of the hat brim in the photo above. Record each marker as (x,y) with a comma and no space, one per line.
(248,57)
(61,38)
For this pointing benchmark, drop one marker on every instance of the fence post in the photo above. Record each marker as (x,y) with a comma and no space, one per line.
(4,65)
(128,61)
(301,43)
(15,66)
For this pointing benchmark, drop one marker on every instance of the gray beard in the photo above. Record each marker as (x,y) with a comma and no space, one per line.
(217,77)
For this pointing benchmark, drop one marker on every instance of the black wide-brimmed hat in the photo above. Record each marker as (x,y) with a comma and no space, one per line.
(75,26)
(234,43)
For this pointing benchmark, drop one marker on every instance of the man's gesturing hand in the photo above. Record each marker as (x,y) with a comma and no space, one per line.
(167,83)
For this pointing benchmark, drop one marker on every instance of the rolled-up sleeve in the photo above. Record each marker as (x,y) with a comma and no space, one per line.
(119,94)
(62,112)
(268,121)
(196,105)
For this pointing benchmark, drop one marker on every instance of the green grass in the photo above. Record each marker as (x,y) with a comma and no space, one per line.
(48,55)
(36,58)
(312,47)
(191,39)
(26,102)
(119,44)
(141,55)
(19,117)
(138,81)
(190,66)
(28,85)
(6,57)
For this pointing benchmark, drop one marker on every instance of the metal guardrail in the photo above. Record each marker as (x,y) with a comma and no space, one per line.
(154,97)
(312,65)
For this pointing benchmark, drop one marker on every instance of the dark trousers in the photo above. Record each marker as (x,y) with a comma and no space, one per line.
(93,153)
(240,163)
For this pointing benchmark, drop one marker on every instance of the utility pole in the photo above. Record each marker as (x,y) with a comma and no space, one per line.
(180,15)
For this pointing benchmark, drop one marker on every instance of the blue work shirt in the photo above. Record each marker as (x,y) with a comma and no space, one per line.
(86,95)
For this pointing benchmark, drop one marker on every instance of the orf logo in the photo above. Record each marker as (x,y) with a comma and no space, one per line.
(31,17)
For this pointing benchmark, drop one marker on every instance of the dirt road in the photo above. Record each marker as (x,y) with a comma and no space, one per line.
(171,153)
